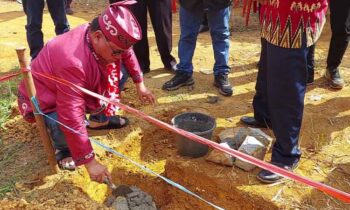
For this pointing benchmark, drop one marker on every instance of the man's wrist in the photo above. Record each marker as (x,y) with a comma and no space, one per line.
(140,85)
(91,162)
(83,160)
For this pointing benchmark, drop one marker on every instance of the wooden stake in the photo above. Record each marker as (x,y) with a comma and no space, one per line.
(45,138)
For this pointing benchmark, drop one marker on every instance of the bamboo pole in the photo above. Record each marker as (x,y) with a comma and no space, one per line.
(28,79)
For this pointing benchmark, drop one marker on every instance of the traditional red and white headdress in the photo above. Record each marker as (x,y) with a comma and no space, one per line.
(119,25)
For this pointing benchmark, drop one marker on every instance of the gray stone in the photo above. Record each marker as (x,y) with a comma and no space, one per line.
(148,199)
(212,99)
(134,194)
(252,147)
(139,200)
(227,134)
(144,207)
(219,157)
(233,136)
(136,199)
(153,205)
(110,200)
(261,136)
(121,203)
(240,135)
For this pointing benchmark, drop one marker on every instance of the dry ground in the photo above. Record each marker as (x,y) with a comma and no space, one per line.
(324,138)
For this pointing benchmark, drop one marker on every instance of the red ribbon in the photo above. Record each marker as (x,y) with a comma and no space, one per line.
(8,76)
(343,196)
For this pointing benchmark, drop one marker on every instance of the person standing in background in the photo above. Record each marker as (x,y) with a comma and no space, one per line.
(191,17)
(288,30)
(340,25)
(161,18)
(34,11)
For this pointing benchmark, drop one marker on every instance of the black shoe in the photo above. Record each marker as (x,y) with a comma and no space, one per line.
(203,28)
(180,79)
(222,83)
(251,121)
(334,79)
(269,177)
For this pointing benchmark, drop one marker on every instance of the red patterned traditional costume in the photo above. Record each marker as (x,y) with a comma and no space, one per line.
(289,27)
(284,21)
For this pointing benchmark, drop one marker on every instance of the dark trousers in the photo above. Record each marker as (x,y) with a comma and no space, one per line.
(34,11)
(161,18)
(279,98)
(69,2)
(205,19)
(340,25)
(311,64)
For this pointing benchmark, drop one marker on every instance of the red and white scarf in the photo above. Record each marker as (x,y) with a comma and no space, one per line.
(114,75)
(112,91)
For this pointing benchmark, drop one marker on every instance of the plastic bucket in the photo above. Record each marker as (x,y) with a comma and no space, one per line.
(197,123)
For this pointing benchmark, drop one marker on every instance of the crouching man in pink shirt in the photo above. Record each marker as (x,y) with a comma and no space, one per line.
(89,56)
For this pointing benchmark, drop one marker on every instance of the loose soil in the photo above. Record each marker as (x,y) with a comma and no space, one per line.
(324,137)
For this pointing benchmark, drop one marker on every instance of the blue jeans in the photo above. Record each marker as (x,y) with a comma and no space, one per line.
(55,132)
(124,77)
(34,11)
(190,22)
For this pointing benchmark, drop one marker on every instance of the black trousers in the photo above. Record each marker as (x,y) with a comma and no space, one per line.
(34,11)
(205,19)
(161,18)
(340,25)
(279,97)
(311,64)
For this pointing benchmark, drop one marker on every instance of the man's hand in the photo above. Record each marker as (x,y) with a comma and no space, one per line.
(145,95)
(97,171)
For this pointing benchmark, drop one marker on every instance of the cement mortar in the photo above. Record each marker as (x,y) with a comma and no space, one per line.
(135,200)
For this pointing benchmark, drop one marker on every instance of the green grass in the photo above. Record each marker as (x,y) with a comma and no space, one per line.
(7,188)
(8,91)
